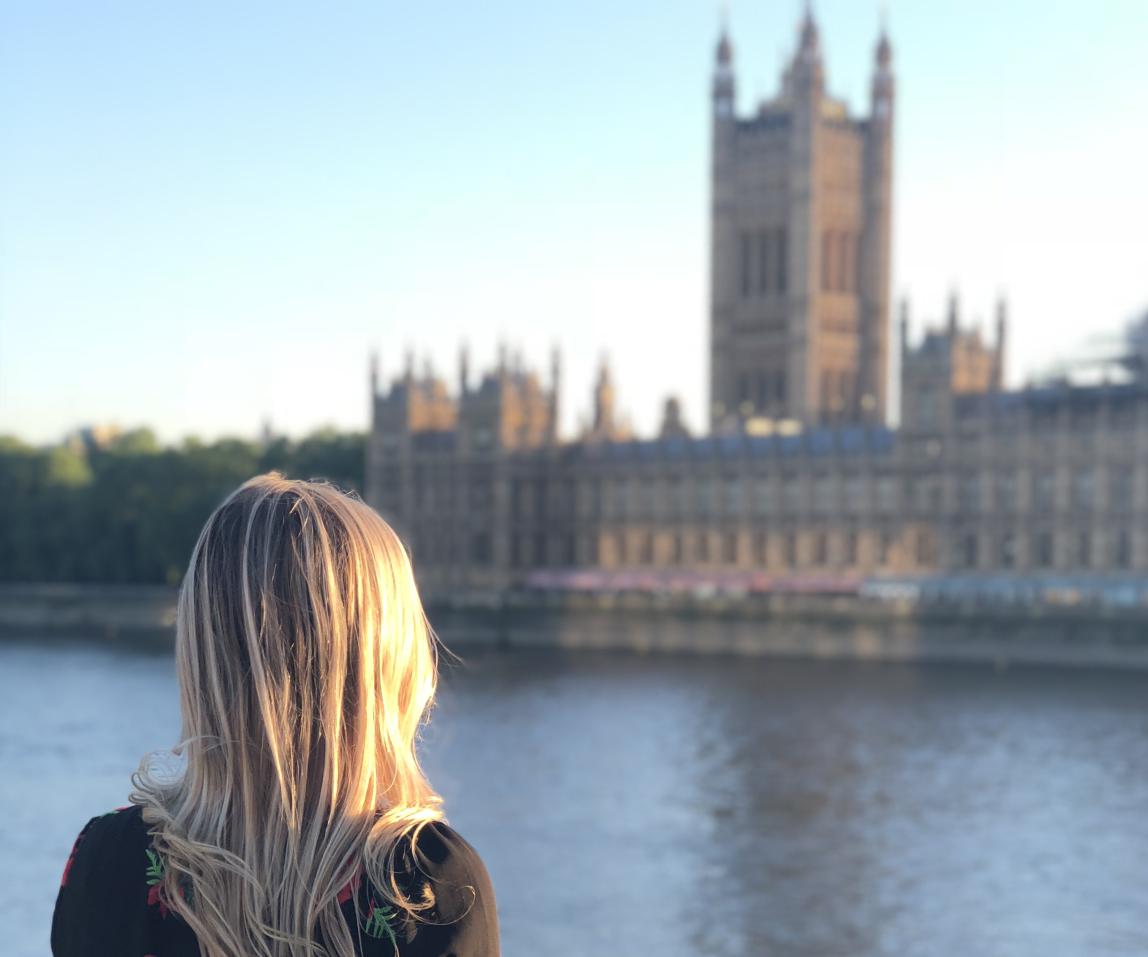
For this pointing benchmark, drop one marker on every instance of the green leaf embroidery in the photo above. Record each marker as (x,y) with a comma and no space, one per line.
(154,868)
(378,923)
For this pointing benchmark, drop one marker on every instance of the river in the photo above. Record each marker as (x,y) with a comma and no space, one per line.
(641,805)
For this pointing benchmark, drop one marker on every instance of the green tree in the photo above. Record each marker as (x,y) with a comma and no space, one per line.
(130,511)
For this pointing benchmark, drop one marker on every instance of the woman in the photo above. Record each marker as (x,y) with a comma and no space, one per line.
(302,823)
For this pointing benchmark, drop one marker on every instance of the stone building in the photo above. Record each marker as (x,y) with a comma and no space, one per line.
(800,247)
(798,474)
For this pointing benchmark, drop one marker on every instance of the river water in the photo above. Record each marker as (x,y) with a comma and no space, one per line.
(674,806)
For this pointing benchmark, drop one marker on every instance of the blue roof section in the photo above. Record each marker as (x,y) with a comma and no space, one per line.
(1051,395)
(818,442)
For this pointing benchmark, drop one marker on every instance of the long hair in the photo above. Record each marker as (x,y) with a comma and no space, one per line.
(306,668)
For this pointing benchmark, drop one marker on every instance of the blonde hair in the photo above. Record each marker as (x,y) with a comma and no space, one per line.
(306,668)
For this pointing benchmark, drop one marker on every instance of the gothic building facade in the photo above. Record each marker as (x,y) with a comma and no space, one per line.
(800,247)
(798,474)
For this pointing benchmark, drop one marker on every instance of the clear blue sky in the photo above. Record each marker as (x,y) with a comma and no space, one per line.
(210,212)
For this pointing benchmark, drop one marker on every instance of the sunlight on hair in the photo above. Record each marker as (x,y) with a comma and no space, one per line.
(306,669)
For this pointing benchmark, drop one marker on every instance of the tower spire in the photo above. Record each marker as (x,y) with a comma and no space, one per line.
(807,68)
(463,370)
(555,390)
(1000,347)
(953,321)
(810,37)
(604,401)
(724,47)
(882,92)
(723,89)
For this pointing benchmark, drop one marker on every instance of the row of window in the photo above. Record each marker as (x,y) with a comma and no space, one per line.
(759,549)
(640,496)
(1048,549)
(840,252)
(1083,423)
(667,496)
(764,258)
(759,391)
(784,549)
(1081,490)
(709,495)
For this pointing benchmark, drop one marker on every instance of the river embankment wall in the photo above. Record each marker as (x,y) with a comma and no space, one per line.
(789,625)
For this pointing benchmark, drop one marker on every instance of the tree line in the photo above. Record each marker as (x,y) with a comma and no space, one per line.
(128,510)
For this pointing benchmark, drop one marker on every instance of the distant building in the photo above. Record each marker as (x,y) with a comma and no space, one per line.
(799,474)
(802,199)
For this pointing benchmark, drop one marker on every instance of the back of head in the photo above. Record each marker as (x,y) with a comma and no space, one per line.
(306,667)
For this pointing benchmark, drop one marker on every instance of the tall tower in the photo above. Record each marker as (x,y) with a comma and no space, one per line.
(876,252)
(800,247)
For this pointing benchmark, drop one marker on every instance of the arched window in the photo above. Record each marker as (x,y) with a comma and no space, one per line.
(760,548)
(746,264)
(782,253)
(969,550)
(791,549)
(1008,550)
(844,261)
(764,261)
(729,548)
(1123,549)
(1084,549)
(821,548)
(827,261)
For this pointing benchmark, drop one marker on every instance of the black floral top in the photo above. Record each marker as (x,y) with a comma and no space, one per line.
(110,902)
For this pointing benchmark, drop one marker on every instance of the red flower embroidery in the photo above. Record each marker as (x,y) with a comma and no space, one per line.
(349,890)
(154,897)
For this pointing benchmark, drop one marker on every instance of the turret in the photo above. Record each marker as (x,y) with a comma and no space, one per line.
(877,240)
(953,319)
(555,390)
(881,92)
(1001,345)
(807,74)
(463,371)
(604,401)
(374,387)
(673,427)
(724,83)
(723,156)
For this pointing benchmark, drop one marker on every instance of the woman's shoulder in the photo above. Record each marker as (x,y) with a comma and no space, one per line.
(436,854)
(437,865)
(103,888)
(439,848)
(109,834)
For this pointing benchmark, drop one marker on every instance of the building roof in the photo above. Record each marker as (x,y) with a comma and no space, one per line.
(816,442)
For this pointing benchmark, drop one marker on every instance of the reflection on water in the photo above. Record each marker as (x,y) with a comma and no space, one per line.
(683,806)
